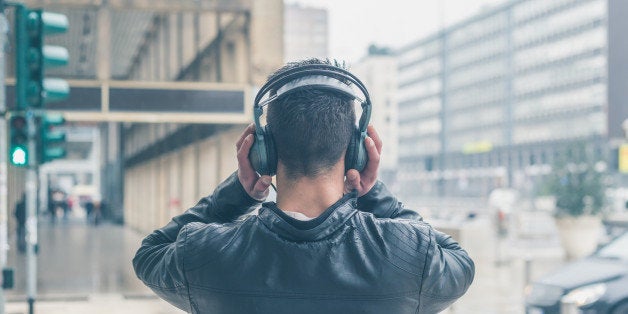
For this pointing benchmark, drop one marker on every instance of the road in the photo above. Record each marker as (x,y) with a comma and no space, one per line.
(84,269)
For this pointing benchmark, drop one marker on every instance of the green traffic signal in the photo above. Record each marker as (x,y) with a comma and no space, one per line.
(19,157)
(54,119)
(32,56)
(52,142)
(55,89)
(18,146)
(54,23)
(55,56)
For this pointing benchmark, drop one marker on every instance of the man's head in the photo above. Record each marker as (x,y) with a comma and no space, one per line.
(311,127)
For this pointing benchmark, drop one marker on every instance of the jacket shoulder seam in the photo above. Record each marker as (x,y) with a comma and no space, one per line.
(425,262)
(432,296)
(224,247)
(166,288)
(384,257)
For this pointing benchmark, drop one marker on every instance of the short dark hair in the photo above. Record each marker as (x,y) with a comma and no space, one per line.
(311,127)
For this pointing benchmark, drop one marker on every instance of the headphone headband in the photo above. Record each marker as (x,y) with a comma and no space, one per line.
(310,70)
(320,76)
(316,82)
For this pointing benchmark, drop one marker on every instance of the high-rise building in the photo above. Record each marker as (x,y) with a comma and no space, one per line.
(491,101)
(305,32)
(378,71)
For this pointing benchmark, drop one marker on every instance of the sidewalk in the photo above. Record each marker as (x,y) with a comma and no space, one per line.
(97,304)
(84,269)
(502,269)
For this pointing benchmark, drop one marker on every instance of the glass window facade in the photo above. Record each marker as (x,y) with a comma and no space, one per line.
(559,25)
(547,79)
(477,52)
(478,95)
(476,30)
(588,42)
(463,121)
(415,110)
(591,96)
(477,74)
(420,70)
(528,75)
(419,52)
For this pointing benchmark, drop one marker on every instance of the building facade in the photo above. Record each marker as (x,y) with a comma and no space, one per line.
(491,101)
(168,167)
(306,32)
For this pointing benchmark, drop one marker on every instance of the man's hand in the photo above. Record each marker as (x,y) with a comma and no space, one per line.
(254,185)
(364,181)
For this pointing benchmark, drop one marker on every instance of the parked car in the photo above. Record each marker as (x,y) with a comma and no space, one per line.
(595,284)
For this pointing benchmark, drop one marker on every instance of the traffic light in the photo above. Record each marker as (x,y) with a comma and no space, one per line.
(18,146)
(32,57)
(51,142)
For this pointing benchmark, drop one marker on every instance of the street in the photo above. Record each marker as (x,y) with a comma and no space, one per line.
(84,269)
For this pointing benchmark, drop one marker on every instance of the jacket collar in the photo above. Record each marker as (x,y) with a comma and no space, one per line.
(311,230)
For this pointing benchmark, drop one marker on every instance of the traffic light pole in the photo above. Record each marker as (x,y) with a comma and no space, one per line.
(33,90)
(31,215)
(4,212)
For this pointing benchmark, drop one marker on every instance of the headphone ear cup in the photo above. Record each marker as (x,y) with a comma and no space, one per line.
(257,154)
(271,152)
(350,155)
(356,157)
(351,151)
(361,156)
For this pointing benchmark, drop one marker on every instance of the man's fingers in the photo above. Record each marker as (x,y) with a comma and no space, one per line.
(370,171)
(250,129)
(256,187)
(260,190)
(376,139)
(244,164)
(245,147)
(353,180)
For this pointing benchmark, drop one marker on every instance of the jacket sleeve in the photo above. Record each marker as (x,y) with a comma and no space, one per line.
(447,274)
(448,270)
(160,260)
(382,204)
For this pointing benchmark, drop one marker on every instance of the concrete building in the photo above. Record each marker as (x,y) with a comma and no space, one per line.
(489,102)
(168,167)
(378,71)
(306,32)
(169,86)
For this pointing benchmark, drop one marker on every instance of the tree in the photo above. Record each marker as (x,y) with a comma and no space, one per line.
(577,183)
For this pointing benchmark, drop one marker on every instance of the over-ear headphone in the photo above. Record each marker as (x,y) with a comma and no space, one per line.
(263,155)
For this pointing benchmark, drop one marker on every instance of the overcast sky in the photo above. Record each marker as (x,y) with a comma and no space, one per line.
(354,24)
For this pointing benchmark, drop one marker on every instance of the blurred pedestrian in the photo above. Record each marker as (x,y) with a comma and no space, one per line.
(65,206)
(20,218)
(97,213)
(52,209)
(104,210)
(89,210)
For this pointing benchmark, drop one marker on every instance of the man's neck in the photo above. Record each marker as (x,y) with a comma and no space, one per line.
(310,196)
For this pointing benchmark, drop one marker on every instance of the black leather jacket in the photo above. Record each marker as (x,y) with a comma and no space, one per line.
(368,255)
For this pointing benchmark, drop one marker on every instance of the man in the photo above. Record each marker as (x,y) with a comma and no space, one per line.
(328,245)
